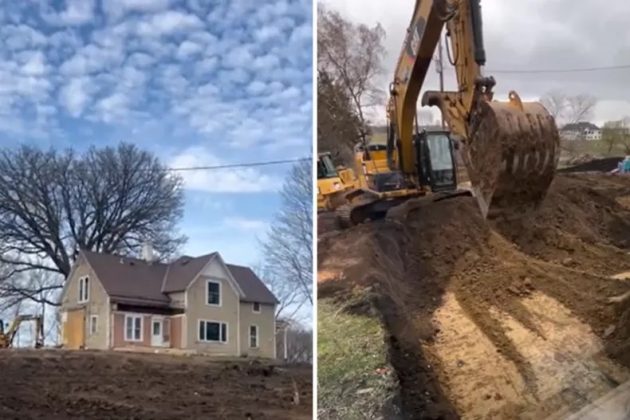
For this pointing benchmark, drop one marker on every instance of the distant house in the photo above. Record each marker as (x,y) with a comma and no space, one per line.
(196,304)
(581,131)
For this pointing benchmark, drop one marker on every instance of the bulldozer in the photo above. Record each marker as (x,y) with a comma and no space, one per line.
(510,149)
(7,337)
(333,183)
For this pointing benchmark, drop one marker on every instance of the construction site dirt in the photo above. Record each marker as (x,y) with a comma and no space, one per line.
(490,319)
(55,384)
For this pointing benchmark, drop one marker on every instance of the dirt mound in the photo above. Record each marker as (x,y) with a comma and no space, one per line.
(47,384)
(501,277)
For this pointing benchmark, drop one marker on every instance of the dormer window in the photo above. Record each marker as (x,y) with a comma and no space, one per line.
(84,289)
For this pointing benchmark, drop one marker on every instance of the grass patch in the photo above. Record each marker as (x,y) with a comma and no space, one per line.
(355,380)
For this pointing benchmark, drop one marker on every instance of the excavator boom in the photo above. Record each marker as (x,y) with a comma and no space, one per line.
(510,149)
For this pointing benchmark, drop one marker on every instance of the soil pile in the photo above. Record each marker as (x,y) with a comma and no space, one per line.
(426,251)
(51,384)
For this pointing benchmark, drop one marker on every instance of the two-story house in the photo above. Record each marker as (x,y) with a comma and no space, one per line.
(199,304)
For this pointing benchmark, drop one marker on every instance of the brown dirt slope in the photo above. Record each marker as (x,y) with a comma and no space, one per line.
(51,384)
(567,252)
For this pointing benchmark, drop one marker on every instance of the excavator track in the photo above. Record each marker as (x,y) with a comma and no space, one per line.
(366,209)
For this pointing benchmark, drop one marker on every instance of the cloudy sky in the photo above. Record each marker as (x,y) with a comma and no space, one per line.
(531,35)
(198,82)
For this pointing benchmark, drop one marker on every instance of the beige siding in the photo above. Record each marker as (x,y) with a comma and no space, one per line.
(177,299)
(97,305)
(198,309)
(265,322)
(176,331)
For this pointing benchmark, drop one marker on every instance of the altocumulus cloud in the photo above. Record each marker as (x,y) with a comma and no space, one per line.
(231,78)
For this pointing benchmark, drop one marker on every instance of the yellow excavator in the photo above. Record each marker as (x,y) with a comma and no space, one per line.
(510,149)
(7,337)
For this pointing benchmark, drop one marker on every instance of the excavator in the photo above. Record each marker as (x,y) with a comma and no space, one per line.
(510,149)
(6,337)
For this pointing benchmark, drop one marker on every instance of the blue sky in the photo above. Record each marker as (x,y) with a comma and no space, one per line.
(196,82)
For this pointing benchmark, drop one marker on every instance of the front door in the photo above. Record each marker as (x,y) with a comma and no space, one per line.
(156,332)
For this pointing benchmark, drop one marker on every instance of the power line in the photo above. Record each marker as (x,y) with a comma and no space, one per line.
(237,165)
(574,70)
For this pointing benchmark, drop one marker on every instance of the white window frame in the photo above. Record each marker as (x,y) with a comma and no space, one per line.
(134,317)
(220,293)
(254,307)
(84,289)
(227,331)
(257,337)
(93,324)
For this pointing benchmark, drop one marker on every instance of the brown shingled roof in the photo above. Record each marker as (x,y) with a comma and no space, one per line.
(182,271)
(252,286)
(134,279)
(128,277)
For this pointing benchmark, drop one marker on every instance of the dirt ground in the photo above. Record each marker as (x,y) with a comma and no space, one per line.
(503,319)
(53,384)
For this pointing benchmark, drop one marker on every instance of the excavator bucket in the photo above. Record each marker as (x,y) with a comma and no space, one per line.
(511,156)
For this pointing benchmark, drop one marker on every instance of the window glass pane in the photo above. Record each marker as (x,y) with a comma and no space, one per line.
(213,293)
(202,330)
(212,331)
(138,320)
(257,307)
(129,328)
(440,152)
(86,290)
(156,328)
(253,332)
(223,332)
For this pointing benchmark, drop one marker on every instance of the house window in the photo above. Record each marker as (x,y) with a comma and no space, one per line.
(213,293)
(211,331)
(84,289)
(253,336)
(133,327)
(93,324)
(256,307)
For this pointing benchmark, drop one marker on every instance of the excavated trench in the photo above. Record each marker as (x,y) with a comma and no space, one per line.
(498,320)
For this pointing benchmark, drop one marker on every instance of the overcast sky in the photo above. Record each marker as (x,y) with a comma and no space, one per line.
(530,35)
(197,82)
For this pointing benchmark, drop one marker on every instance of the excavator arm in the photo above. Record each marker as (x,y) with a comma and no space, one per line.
(510,149)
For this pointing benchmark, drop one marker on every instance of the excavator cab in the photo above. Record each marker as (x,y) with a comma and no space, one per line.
(435,160)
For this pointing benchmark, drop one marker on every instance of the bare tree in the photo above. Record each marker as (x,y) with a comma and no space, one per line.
(351,54)
(290,297)
(556,103)
(297,343)
(338,126)
(54,203)
(617,133)
(580,108)
(288,248)
(569,109)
